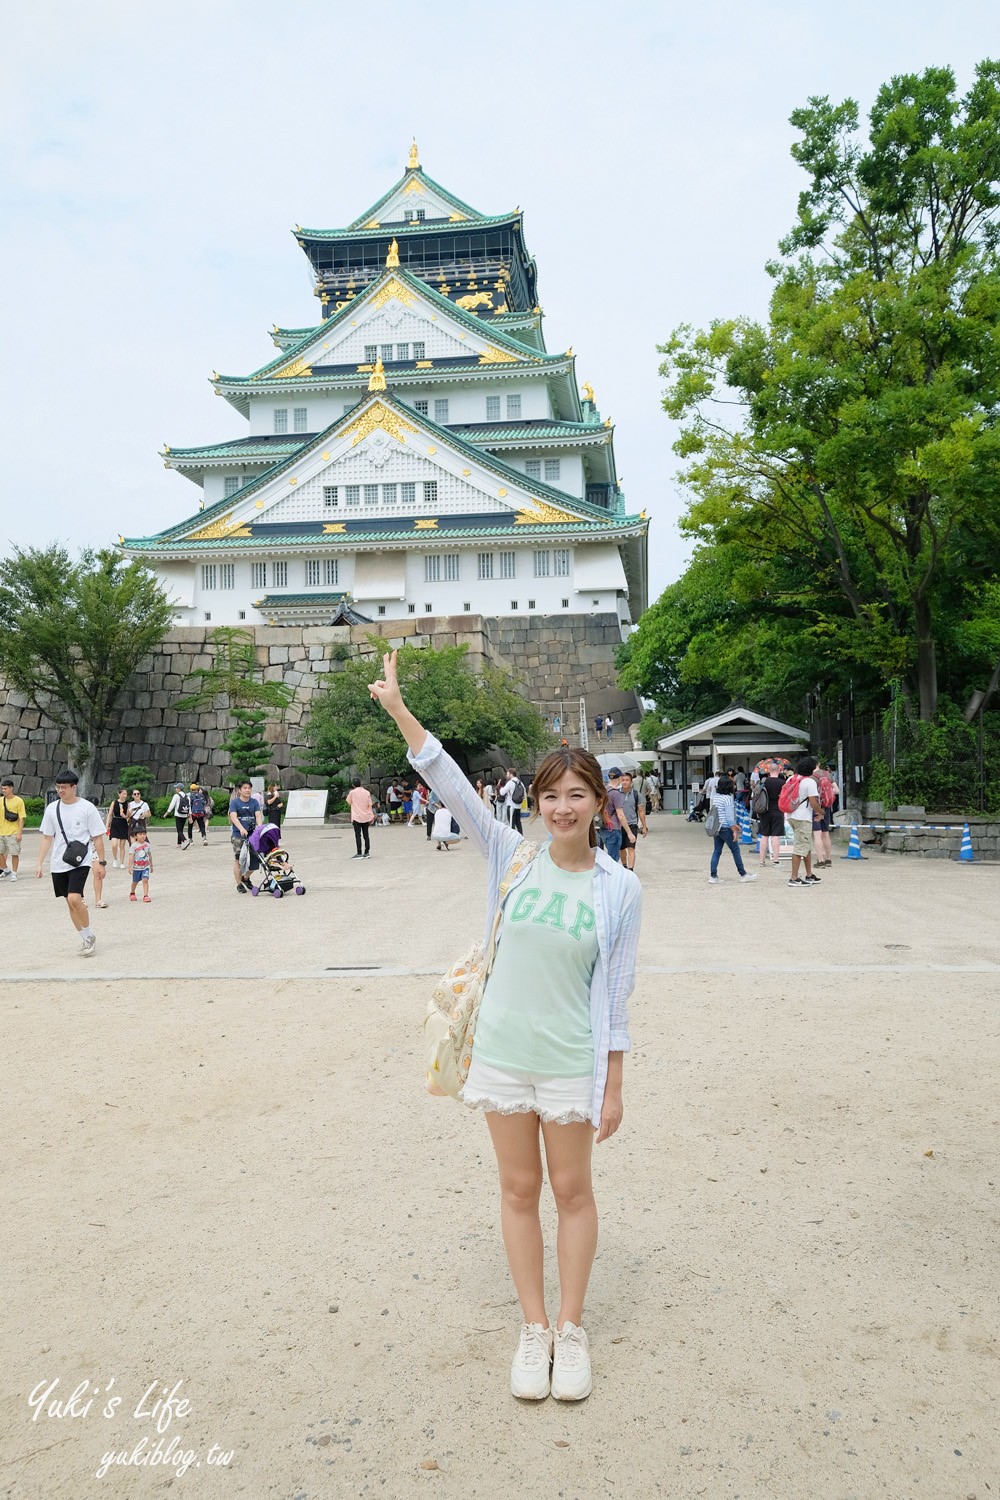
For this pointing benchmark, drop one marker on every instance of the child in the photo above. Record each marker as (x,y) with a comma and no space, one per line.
(443,830)
(140,864)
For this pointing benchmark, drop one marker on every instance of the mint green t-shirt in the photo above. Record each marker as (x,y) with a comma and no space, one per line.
(535,1015)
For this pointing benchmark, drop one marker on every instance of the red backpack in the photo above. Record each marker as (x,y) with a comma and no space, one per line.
(788,798)
(827,796)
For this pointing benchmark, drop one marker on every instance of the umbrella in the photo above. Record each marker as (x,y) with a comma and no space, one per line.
(623,759)
(762,765)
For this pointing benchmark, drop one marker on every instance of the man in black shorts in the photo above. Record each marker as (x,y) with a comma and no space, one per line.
(72,820)
(635,816)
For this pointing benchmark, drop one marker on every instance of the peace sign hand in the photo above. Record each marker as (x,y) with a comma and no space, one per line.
(385,689)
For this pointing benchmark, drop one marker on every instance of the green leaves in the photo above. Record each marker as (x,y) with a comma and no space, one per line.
(235,675)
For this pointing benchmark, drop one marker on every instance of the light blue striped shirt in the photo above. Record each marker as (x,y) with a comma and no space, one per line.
(726,804)
(617,907)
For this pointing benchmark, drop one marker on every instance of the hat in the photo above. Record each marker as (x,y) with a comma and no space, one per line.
(178,786)
(614,771)
(67,777)
(193,787)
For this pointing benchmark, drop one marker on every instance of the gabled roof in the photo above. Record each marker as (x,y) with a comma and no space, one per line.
(412,174)
(407,227)
(489,332)
(732,716)
(546,495)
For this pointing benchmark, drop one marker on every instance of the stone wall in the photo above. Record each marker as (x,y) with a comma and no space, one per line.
(555,656)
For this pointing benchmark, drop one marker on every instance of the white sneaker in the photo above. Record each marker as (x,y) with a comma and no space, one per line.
(571,1377)
(529,1372)
(748,876)
(713,880)
(13,874)
(89,944)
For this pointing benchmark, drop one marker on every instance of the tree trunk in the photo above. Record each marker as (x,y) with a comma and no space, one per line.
(926,660)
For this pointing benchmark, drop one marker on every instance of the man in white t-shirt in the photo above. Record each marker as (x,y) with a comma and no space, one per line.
(711,787)
(72,820)
(804,803)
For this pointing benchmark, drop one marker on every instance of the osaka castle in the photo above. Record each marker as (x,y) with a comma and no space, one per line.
(416,450)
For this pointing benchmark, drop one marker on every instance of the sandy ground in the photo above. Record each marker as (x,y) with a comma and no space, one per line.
(224,1182)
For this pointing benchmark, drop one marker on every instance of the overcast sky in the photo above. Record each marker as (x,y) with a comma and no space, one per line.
(154,160)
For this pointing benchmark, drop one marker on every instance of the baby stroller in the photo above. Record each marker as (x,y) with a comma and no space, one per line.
(698,811)
(276,866)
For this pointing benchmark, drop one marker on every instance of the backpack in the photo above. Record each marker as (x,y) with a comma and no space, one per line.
(198,804)
(789,799)
(183,805)
(517,793)
(827,796)
(713,822)
(761,802)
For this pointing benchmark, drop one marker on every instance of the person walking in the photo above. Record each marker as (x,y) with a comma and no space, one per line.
(727,835)
(359,800)
(616,831)
(244,816)
(68,823)
(770,818)
(805,804)
(179,808)
(117,828)
(635,818)
(609,726)
(552,1031)
(138,813)
(274,805)
(140,865)
(11,829)
(201,810)
(416,817)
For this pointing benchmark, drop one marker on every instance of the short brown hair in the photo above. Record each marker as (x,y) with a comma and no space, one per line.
(567,758)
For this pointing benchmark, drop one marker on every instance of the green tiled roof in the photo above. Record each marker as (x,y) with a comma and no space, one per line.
(512,433)
(420,288)
(238,448)
(620,526)
(277,601)
(373,212)
(407,227)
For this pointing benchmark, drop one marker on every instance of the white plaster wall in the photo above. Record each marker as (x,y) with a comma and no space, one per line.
(321,410)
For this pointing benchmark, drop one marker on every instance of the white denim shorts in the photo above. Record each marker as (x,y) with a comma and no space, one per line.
(557,1101)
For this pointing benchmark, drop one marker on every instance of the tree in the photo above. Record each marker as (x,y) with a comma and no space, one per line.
(246,745)
(235,675)
(852,440)
(72,634)
(468,711)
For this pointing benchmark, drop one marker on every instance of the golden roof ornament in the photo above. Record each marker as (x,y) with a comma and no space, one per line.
(588,393)
(376,380)
(414,159)
(392,259)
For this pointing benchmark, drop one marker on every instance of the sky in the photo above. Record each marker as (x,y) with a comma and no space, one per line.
(154,161)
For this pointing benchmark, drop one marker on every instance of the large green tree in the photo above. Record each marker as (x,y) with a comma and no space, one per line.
(235,675)
(469,711)
(848,447)
(71,635)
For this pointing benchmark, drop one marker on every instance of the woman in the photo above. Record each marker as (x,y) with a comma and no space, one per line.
(727,836)
(552,1031)
(359,801)
(138,814)
(117,827)
(274,805)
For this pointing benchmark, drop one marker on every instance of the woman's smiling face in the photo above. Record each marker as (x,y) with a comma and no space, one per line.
(567,808)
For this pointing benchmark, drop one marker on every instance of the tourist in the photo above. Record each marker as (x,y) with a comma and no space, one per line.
(609,725)
(598,725)
(490,797)
(117,828)
(616,831)
(419,801)
(433,803)
(179,808)
(394,801)
(552,1033)
(444,828)
(244,816)
(727,835)
(201,810)
(805,805)
(770,819)
(274,806)
(66,822)
(635,817)
(138,813)
(140,865)
(822,843)
(11,829)
(359,800)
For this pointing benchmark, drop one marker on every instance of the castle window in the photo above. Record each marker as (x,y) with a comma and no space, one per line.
(330,499)
(300,419)
(451,567)
(258,575)
(542,560)
(279,572)
(565,604)
(418,350)
(312,573)
(411,609)
(430,492)
(531,603)
(281,419)
(441,411)
(513,604)
(421,407)
(243,614)
(421,215)
(467,606)
(551,468)
(428,609)
(208,576)
(492,408)
(381,609)
(513,408)
(407,493)
(352,494)
(388,494)
(402,352)
(432,568)
(484,562)
(386,352)
(227,575)
(371,353)
(560,562)
(232,484)
(508,565)
(533,468)
(371,494)
(331,571)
